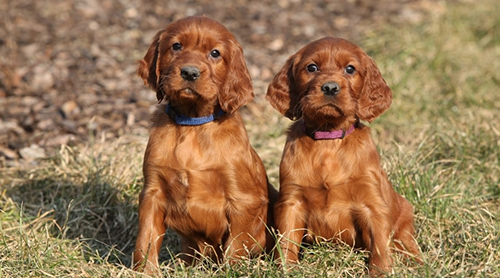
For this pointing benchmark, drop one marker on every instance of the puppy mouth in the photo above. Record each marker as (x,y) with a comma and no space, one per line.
(187,91)
(332,106)
(186,95)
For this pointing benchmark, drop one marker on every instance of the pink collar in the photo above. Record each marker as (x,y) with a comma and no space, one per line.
(330,135)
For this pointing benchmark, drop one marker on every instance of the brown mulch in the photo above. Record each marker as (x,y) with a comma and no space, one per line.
(67,68)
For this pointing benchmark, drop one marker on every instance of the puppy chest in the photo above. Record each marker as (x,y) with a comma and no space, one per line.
(203,204)
(329,209)
(331,219)
(202,187)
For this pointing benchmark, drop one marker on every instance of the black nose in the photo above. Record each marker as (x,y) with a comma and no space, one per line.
(190,73)
(330,88)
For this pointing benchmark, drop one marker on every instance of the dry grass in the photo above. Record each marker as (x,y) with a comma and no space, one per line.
(76,214)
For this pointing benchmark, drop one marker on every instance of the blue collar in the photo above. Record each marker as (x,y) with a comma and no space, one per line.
(184,120)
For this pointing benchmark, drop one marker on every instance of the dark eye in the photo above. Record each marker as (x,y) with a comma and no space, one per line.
(350,69)
(176,46)
(312,68)
(215,53)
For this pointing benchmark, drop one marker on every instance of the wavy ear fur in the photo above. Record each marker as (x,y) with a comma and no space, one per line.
(280,92)
(149,68)
(376,96)
(237,89)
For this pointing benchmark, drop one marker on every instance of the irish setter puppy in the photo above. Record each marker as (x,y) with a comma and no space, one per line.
(201,176)
(332,185)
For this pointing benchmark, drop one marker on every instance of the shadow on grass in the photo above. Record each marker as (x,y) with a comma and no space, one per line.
(99,216)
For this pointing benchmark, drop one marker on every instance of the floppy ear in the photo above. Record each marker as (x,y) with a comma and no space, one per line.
(237,89)
(280,92)
(149,67)
(376,96)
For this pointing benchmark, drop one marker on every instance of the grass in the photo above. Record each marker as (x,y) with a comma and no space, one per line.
(75,214)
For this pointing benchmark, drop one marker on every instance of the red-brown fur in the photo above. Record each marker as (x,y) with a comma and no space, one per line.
(205,182)
(336,189)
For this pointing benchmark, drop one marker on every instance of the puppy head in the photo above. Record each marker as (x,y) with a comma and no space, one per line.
(197,62)
(330,81)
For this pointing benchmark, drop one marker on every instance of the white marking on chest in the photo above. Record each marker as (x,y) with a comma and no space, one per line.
(183,178)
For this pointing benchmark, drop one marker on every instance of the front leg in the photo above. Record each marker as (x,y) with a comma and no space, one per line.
(151,231)
(376,231)
(380,260)
(404,231)
(247,228)
(290,218)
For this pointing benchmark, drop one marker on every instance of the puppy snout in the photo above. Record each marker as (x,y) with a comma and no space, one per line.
(330,88)
(190,73)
